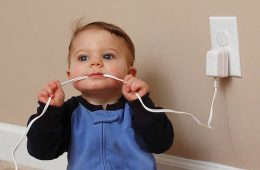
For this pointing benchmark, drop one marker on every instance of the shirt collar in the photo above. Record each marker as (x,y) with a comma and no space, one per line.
(118,105)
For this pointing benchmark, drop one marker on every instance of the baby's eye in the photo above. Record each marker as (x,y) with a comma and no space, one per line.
(108,56)
(83,58)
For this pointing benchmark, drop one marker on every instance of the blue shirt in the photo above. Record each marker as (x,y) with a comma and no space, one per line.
(105,140)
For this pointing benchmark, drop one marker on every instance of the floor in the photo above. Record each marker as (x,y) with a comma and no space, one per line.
(5,165)
(166,167)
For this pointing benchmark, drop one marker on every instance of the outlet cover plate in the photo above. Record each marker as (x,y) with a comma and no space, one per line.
(224,33)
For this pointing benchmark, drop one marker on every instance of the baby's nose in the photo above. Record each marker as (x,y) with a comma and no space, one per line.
(96,62)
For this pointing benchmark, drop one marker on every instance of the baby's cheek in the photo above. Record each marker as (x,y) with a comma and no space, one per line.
(76,72)
(119,72)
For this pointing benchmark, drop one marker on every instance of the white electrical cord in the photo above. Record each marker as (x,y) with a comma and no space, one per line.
(174,111)
(216,85)
(139,98)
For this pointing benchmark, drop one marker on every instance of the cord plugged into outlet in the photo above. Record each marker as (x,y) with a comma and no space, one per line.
(224,53)
(216,67)
(217,62)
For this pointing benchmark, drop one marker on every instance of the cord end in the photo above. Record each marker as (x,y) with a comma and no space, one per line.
(216,82)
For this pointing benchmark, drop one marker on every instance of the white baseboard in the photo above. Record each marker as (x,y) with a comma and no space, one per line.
(9,137)
(174,161)
(10,134)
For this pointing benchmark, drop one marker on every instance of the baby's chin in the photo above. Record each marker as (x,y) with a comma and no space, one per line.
(98,87)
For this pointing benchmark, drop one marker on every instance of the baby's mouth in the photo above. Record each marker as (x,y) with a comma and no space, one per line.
(100,75)
(96,75)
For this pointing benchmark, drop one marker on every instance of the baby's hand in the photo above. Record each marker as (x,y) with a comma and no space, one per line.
(134,85)
(53,90)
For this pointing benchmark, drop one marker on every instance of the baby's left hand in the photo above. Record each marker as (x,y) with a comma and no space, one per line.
(134,85)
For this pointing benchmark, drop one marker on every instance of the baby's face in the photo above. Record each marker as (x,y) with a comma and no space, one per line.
(95,52)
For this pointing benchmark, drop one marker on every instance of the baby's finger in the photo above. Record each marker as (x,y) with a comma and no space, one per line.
(43,96)
(59,91)
(143,91)
(137,85)
(129,83)
(127,77)
(51,88)
(50,92)
(53,85)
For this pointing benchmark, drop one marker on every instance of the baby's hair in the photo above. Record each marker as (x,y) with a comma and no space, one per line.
(113,29)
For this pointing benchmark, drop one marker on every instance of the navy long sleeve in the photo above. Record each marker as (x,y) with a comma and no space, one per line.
(49,137)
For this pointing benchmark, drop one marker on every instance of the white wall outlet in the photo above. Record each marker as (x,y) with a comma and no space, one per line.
(224,34)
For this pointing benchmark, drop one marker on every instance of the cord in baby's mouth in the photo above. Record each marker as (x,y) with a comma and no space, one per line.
(85,77)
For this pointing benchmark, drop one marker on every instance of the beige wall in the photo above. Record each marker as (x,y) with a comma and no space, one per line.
(171,38)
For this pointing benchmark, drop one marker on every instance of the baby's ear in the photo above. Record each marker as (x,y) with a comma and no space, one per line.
(68,74)
(132,71)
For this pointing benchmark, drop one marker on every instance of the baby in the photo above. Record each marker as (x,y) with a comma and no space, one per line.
(105,127)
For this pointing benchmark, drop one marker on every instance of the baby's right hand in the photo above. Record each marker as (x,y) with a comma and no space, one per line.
(53,90)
